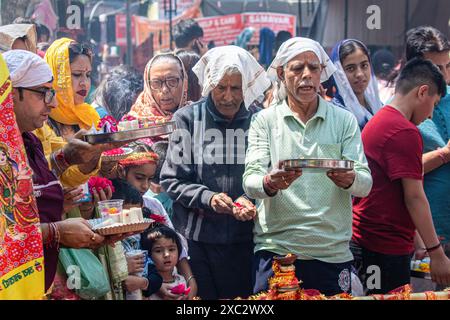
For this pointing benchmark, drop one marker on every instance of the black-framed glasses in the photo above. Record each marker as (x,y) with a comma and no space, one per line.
(47,94)
(171,83)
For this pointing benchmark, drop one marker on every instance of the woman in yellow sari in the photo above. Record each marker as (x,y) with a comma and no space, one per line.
(71,67)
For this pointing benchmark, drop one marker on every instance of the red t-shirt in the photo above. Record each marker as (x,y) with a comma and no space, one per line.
(393,147)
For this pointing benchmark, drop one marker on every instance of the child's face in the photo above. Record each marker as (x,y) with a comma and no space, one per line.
(140,176)
(165,254)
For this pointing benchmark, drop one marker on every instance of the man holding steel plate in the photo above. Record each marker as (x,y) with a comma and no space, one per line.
(304,212)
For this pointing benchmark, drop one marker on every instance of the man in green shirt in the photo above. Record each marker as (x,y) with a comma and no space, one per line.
(304,212)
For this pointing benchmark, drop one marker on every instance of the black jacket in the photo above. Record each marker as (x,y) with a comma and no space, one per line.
(208,166)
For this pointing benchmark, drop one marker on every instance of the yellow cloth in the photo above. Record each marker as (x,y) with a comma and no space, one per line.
(72,177)
(66,112)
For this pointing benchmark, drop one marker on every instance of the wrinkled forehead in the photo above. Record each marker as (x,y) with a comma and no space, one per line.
(308,56)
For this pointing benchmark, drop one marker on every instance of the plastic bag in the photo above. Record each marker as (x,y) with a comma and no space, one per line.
(85,273)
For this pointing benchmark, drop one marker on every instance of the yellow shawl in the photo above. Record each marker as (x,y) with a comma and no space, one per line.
(83,115)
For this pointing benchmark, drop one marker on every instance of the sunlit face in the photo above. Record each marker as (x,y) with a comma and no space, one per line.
(81,70)
(141,176)
(442,61)
(301,76)
(358,71)
(427,101)
(227,95)
(32,111)
(166,85)
(165,254)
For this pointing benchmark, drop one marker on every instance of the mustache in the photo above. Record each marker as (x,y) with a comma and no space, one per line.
(305,84)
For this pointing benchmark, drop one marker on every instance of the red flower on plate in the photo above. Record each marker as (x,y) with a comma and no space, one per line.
(99,183)
(108,121)
(158,218)
(180,289)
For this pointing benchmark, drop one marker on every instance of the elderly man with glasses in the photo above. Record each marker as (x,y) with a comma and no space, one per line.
(303,212)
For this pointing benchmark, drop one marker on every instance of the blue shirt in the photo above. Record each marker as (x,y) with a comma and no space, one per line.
(435,134)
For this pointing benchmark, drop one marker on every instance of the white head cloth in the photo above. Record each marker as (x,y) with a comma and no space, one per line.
(292,48)
(27,69)
(351,101)
(216,62)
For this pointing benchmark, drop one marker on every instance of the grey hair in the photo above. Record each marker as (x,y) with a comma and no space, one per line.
(230,70)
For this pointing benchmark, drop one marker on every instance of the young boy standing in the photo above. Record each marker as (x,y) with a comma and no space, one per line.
(385,221)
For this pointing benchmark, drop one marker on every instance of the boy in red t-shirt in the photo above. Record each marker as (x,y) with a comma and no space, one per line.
(385,221)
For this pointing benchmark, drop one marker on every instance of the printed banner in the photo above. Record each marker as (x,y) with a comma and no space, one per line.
(223,30)
(21,251)
(142,27)
(274,21)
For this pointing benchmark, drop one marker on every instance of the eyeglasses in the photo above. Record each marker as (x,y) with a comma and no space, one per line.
(170,83)
(47,93)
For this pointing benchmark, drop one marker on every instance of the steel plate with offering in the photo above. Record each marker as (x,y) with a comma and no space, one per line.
(131,135)
(318,164)
(106,227)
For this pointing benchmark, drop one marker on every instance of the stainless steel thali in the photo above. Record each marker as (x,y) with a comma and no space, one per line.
(130,135)
(324,164)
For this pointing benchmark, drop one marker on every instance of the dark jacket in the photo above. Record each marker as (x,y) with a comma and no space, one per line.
(208,166)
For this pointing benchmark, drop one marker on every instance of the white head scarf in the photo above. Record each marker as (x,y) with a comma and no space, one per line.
(216,62)
(290,49)
(27,69)
(345,90)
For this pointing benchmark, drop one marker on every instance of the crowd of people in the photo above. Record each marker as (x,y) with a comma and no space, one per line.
(223,202)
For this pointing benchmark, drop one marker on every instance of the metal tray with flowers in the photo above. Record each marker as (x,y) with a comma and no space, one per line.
(131,135)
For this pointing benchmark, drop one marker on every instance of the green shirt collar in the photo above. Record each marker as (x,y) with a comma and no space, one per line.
(321,110)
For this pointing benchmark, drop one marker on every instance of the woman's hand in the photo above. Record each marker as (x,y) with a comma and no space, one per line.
(71,196)
(101,194)
(135,264)
(87,208)
(77,233)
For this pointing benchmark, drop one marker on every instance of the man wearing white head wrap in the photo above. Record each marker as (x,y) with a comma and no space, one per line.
(31,78)
(33,98)
(27,69)
(315,224)
(206,184)
(216,62)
